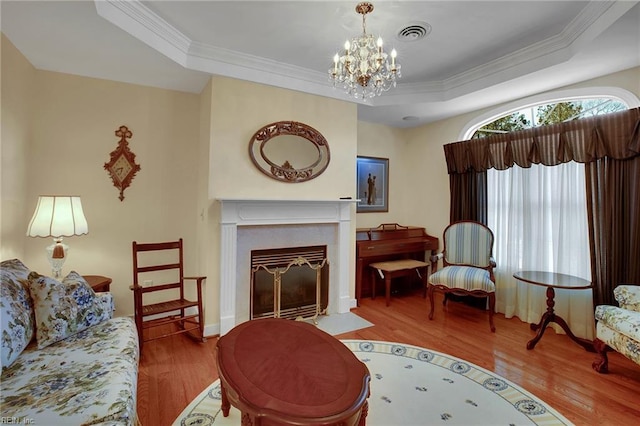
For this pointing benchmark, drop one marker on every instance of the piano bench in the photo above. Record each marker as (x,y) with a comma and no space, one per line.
(397,268)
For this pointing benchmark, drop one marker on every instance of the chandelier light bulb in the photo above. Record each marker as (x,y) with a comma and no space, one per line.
(364,71)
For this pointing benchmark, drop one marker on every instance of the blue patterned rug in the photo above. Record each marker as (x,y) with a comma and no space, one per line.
(416,386)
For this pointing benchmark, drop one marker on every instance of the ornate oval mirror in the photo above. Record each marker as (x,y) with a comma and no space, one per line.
(289,151)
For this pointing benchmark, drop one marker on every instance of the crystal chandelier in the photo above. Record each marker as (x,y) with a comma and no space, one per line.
(363,70)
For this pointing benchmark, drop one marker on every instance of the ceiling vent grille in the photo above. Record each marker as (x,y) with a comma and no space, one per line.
(414,31)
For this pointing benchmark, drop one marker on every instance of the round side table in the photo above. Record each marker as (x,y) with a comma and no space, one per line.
(553,280)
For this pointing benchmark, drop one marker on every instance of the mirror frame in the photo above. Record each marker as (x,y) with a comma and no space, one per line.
(286,172)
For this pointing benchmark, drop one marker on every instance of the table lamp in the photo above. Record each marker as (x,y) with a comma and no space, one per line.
(57,216)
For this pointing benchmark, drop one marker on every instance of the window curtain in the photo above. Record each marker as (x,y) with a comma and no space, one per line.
(609,145)
(468,197)
(539,218)
(614,223)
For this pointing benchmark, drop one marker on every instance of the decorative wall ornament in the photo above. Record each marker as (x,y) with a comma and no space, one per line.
(299,153)
(122,166)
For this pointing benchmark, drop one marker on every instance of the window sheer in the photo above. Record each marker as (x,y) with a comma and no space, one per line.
(539,218)
(609,147)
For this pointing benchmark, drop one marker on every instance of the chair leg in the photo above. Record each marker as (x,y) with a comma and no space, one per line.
(201,326)
(201,311)
(492,308)
(430,296)
(601,364)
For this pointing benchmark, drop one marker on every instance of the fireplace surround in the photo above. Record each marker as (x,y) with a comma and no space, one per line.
(247,224)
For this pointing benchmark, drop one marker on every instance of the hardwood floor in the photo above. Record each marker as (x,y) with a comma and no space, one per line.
(175,370)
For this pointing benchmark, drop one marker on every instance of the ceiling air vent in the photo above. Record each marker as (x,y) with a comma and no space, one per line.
(414,31)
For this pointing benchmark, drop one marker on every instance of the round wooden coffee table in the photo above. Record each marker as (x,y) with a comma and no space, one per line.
(279,371)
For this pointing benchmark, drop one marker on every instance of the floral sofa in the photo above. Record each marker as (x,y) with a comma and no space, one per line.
(65,360)
(618,327)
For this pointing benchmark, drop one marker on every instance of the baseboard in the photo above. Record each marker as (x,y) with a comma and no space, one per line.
(212,330)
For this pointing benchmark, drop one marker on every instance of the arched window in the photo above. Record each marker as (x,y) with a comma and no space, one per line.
(549,113)
(539,214)
(591,101)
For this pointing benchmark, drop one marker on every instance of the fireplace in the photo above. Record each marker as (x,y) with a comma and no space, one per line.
(247,225)
(290,282)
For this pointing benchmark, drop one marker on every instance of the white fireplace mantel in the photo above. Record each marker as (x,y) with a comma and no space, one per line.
(262,212)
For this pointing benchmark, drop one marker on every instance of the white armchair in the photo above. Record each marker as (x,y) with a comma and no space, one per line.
(618,328)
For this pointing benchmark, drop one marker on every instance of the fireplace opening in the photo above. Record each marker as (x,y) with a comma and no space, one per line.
(291,282)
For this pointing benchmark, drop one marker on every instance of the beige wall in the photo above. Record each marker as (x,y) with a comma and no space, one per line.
(426,194)
(18,77)
(192,149)
(419,184)
(238,110)
(70,134)
(206,240)
(376,140)
(58,130)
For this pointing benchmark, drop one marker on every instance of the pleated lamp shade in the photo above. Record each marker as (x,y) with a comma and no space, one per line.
(58,216)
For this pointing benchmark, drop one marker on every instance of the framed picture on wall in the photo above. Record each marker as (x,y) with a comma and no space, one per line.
(372,176)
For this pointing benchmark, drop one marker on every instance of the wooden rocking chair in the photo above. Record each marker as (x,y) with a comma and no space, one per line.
(160,270)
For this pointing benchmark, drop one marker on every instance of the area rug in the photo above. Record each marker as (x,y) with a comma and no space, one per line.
(416,386)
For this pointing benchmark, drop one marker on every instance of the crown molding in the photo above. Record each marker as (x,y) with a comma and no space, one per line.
(142,23)
(596,17)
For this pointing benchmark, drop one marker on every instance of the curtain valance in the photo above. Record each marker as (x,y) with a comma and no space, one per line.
(615,135)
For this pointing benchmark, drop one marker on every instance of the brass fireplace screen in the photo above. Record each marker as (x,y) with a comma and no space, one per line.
(289,283)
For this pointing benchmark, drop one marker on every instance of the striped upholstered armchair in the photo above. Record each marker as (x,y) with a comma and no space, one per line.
(467,265)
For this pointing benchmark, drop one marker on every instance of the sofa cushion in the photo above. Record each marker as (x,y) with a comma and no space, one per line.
(87,378)
(623,321)
(628,296)
(64,308)
(16,310)
(464,277)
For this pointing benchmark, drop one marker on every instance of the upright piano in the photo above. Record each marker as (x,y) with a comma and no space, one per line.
(388,241)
